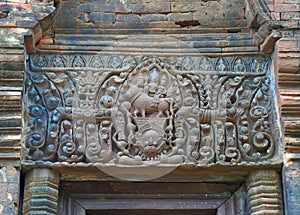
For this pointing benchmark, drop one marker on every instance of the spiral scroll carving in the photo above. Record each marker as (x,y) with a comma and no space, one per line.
(132,110)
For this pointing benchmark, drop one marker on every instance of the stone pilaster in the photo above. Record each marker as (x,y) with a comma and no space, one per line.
(264,193)
(41,192)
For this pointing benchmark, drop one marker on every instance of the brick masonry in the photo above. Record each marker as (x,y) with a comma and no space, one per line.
(20,20)
(287,67)
(142,14)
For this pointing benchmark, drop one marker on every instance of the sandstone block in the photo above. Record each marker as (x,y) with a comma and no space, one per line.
(163,7)
(286,7)
(162,24)
(275,16)
(26,24)
(271,6)
(111,7)
(241,3)
(62,15)
(289,45)
(288,33)
(290,15)
(199,15)
(222,23)
(11,38)
(104,17)
(102,24)
(9,58)
(177,17)
(89,7)
(130,25)
(128,18)
(268,45)
(222,14)
(290,24)
(291,1)
(288,63)
(153,17)
(240,49)
(182,7)
(10,66)
(232,14)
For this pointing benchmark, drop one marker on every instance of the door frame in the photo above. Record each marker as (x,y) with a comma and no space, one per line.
(82,197)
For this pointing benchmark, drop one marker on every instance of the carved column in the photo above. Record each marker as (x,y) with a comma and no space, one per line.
(264,193)
(41,192)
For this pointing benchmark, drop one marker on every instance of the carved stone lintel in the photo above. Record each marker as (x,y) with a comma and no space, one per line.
(41,192)
(129,110)
(264,193)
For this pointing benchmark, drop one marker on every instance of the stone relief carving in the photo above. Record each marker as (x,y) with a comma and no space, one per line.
(134,110)
(264,183)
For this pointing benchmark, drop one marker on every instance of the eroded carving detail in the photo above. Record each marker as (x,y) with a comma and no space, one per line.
(132,110)
(264,193)
(41,194)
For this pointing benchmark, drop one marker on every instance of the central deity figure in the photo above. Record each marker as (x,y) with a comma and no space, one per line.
(148,122)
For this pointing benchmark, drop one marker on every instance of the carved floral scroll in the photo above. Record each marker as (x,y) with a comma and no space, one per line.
(134,110)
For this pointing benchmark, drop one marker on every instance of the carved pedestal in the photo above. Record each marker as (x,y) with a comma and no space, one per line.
(264,193)
(41,192)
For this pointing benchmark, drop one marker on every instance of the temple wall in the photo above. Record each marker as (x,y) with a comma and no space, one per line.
(24,21)
(138,14)
(19,21)
(287,67)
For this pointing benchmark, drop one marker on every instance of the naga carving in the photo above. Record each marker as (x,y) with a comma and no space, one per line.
(134,110)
